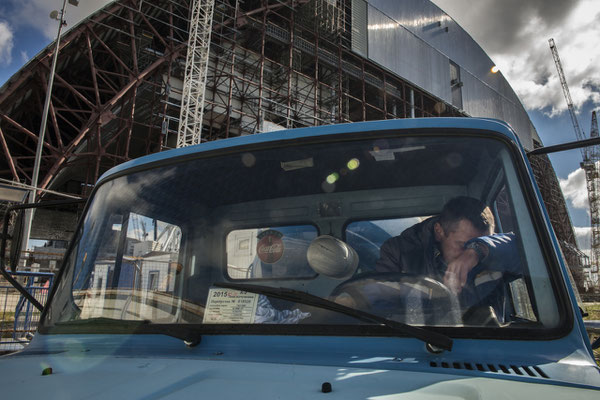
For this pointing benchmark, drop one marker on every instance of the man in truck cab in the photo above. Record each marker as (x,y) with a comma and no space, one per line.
(459,249)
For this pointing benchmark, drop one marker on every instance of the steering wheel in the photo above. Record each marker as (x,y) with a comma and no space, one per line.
(409,298)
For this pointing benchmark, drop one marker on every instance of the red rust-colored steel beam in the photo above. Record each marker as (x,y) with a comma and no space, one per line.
(114,138)
(133,45)
(24,173)
(96,115)
(65,156)
(158,35)
(130,121)
(27,132)
(92,66)
(111,89)
(10,160)
(99,151)
(55,126)
(112,53)
(76,92)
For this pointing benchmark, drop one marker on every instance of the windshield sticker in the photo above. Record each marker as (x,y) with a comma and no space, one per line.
(230,306)
(270,246)
(390,154)
(297,164)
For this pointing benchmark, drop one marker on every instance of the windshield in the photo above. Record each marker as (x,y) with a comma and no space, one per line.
(422,230)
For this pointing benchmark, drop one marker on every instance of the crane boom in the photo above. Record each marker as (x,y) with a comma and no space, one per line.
(563,81)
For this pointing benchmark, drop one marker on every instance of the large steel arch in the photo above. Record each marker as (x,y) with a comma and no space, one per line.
(108,86)
(273,64)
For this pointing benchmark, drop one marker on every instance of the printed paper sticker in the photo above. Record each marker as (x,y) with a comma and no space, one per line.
(230,306)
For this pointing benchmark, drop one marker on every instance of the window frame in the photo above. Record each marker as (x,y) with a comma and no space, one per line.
(548,244)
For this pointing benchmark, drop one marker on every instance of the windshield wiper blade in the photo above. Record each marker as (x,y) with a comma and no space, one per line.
(435,339)
(190,336)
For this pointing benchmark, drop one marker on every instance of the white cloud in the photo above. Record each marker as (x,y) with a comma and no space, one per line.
(24,56)
(6,43)
(575,189)
(515,34)
(35,14)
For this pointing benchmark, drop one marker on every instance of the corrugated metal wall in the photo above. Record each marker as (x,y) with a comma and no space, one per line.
(400,51)
(418,41)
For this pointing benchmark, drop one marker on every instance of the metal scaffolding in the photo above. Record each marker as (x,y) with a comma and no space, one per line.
(196,65)
(120,83)
(272,64)
(287,64)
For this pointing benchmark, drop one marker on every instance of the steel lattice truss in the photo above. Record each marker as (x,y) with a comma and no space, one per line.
(592,176)
(108,93)
(272,64)
(118,88)
(559,216)
(194,84)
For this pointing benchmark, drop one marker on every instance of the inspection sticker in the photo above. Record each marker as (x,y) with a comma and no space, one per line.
(230,306)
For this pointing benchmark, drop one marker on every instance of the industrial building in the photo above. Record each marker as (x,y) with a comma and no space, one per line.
(272,64)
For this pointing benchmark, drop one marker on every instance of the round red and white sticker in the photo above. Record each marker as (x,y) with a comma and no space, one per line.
(270,246)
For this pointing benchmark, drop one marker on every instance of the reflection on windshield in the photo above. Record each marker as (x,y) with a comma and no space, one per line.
(371,225)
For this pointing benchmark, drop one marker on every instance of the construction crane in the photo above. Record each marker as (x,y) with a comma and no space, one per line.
(593,183)
(196,67)
(563,81)
(589,162)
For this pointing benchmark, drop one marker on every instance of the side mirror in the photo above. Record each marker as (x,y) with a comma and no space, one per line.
(16,238)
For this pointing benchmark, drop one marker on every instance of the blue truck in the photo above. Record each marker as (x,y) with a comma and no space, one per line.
(256,276)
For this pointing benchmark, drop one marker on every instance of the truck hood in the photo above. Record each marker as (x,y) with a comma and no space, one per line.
(239,367)
(143,378)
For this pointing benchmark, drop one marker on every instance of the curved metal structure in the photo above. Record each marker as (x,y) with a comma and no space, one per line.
(272,64)
(120,75)
(107,96)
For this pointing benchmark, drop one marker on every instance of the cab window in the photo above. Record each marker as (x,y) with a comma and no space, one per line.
(270,252)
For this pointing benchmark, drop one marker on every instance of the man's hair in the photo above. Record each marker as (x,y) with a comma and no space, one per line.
(468,208)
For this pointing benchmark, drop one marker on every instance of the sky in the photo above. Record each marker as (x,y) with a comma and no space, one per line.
(514,33)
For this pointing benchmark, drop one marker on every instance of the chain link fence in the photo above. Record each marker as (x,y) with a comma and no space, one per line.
(18,317)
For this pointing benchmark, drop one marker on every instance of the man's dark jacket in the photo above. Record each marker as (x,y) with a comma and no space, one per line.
(414,251)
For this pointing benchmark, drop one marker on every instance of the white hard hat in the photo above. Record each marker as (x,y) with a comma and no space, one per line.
(332,257)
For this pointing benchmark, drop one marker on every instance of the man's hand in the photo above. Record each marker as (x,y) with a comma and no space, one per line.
(458,270)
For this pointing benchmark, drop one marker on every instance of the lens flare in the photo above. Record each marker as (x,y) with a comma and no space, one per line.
(353,164)
(332,178)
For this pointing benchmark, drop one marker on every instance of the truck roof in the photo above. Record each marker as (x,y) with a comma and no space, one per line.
(323,130)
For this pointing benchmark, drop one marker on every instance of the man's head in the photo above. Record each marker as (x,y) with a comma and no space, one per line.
(462,219)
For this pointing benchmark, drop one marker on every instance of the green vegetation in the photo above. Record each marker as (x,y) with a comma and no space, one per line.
(7,317)
(593,309)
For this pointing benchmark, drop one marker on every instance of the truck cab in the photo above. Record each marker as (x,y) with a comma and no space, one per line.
(251,267)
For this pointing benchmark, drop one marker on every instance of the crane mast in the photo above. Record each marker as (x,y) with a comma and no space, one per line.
(588,164)
(593,184)
(196,67)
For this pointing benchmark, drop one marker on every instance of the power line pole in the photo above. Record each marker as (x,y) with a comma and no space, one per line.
(60,17)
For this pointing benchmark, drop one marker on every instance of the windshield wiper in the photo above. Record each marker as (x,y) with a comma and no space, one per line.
(434,340)
(190,336)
